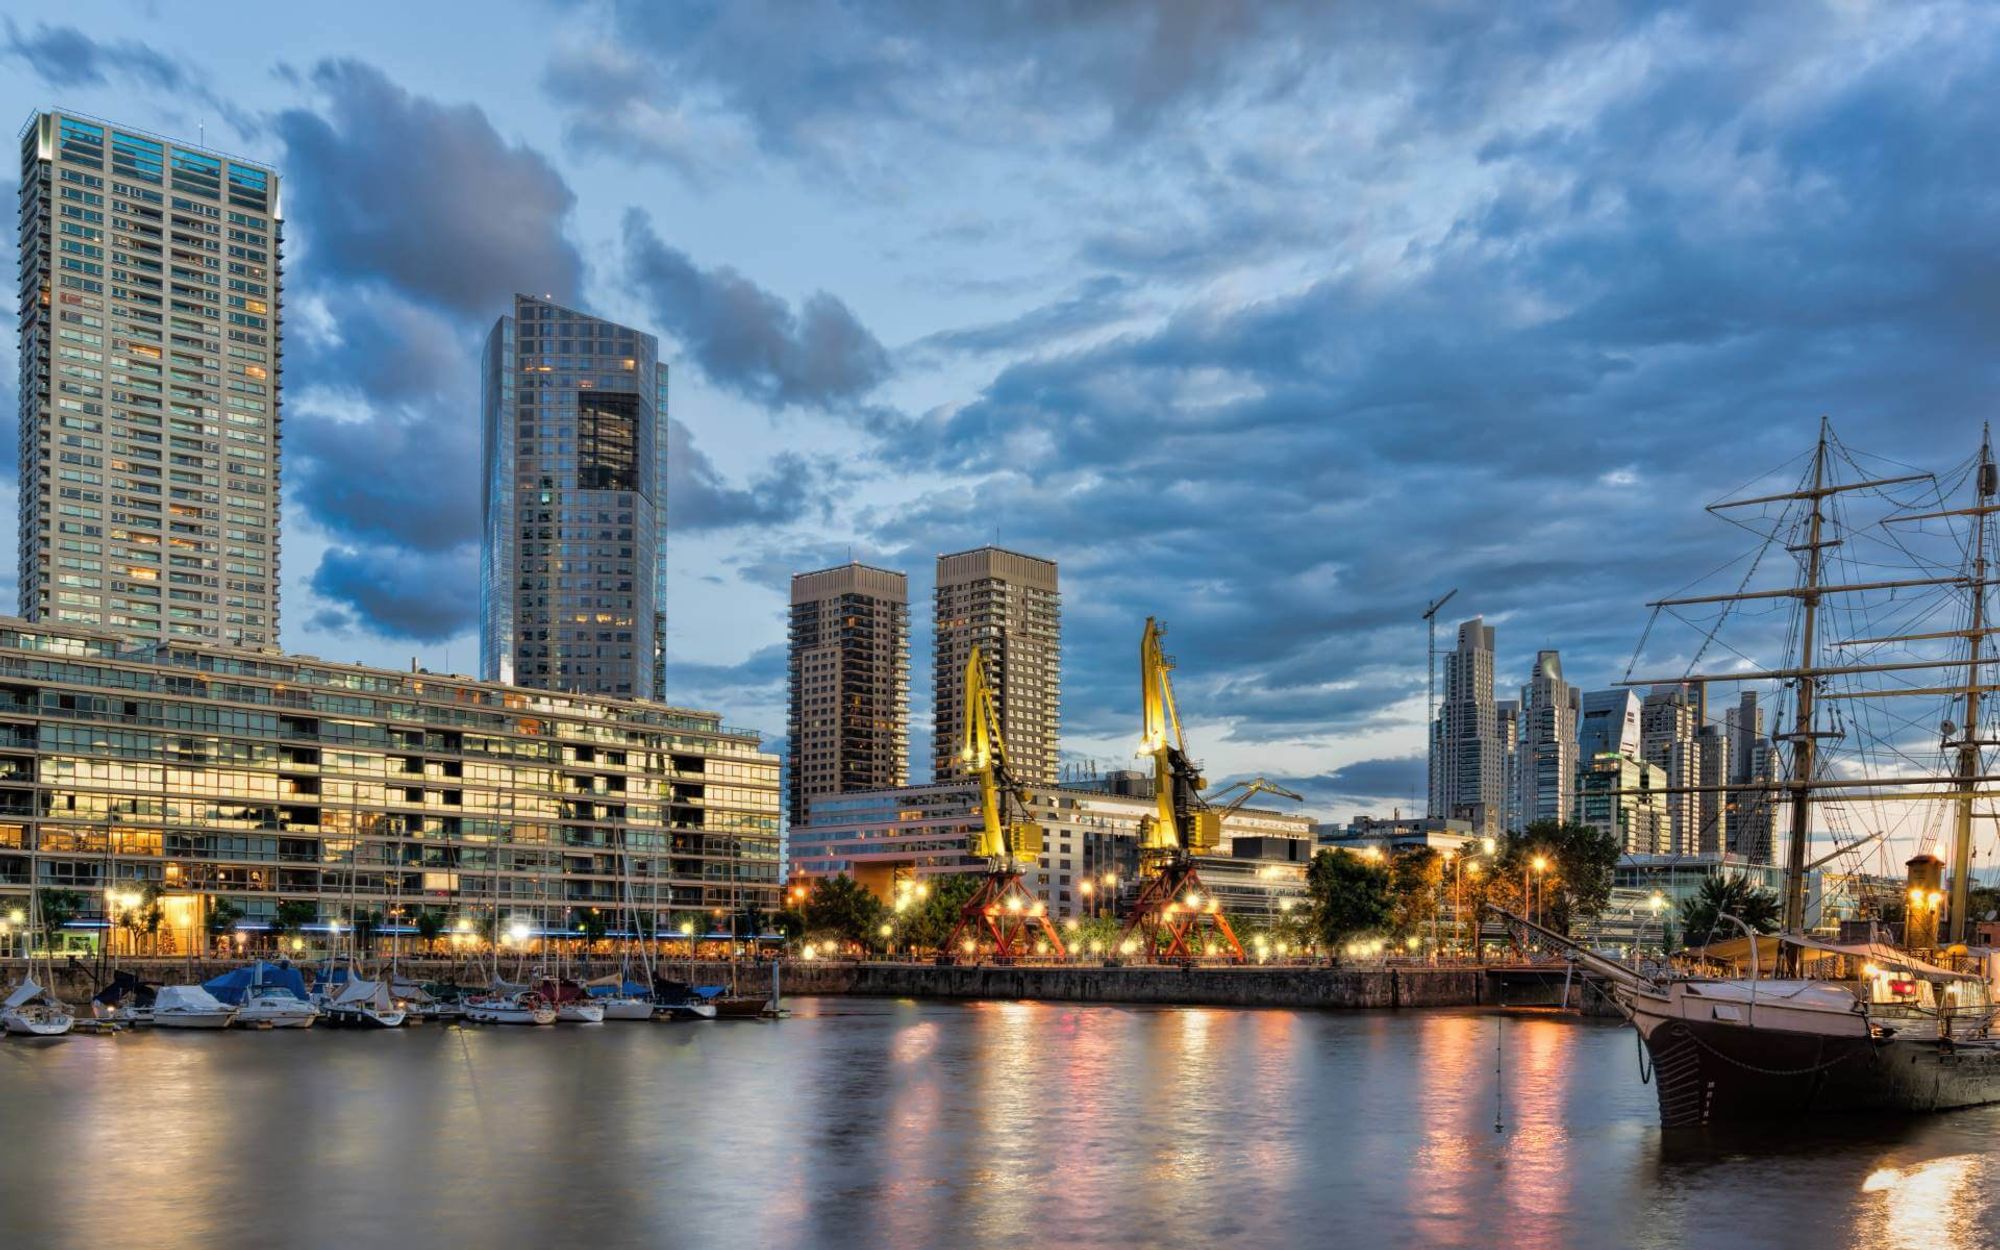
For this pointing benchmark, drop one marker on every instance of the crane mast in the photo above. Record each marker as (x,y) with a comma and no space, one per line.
(1003,911)
(1173,908)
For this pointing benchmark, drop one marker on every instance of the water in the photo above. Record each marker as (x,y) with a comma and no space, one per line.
(894,1124)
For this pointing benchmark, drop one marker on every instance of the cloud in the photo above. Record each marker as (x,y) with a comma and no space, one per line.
(747,339)
(63,56)
(400,189)
(699,498)
(396,593)
(1095,303)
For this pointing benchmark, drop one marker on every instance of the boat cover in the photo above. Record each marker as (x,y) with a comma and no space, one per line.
(186,998)
(233,987)
(605,987)
(1883,957)
(358,993)
(26,993)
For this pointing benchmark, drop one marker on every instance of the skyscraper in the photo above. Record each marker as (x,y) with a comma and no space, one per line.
(573,571)
(1009,606)
(1467,780)
(149,384)
(1670,724)
(1750,764)
(849,720)
(1550,708)
(1507,728)
(1609,725)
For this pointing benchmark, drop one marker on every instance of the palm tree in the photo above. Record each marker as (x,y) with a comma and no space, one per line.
(1731,894)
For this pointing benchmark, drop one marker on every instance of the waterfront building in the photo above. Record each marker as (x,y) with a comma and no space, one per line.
(150,329)
(1398,833)
(884,836)
(1713,805)
(1550,709)
(1751,763)
(1619,795)
(1009,606)
(198,774)
(573,559)
(1467,780)
(1507,727)
(849,673)
(1609,722)
(1670,719)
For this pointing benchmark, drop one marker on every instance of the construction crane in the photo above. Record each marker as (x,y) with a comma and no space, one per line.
(1173,907)
(1251,789)
(1002,909)
(1431,669)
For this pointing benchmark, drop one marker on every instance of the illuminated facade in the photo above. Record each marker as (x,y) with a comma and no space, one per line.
(573,561)
(880,836)
(197,774)
(149,385)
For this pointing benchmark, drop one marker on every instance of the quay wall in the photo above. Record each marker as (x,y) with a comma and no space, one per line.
(1296,986)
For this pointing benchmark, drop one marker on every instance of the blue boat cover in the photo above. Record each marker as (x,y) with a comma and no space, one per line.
(234,987)
(631,989)
(710,991)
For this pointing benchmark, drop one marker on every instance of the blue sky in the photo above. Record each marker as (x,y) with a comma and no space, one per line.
(1273,320)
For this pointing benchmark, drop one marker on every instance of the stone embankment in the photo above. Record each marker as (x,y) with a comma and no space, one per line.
(1297,986)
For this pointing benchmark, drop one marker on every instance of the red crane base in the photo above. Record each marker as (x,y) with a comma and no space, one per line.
(1012,930)
(1165,926)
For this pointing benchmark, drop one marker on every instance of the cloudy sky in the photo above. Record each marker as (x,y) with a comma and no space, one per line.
(1273,320)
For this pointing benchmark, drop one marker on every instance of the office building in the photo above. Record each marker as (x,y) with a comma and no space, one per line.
(1713,803)
(883,836)
(1467,779)
(1623,797)
(849,717)
(201,775)
(573,573)
(1609,723)
(1670,719)
(150,327)
(1752,761)
(1550,708)
(1008,605)
(1507,727)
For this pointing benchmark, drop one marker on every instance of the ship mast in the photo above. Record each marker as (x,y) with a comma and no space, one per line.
(1968,734)
(1802,733)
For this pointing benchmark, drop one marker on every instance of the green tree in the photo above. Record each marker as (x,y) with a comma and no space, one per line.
(1731,894)
(1349,895)
(592,924)
(430,926)
(1103,932)
(926,923)
(838,907)
(293,915)
(222,915)
(58,908)
(1415,878)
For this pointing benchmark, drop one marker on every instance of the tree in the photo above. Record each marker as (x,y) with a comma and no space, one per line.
(1101,931)
(1732,894)
(222,915)
(837,906)
(430,926)
(592,925)
(293,914)
(926,923)
(1415,879)
(58,908)
(1349,895)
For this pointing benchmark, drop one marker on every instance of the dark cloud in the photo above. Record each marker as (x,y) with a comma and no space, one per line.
(1097,302)
(1402,779)
(63,56)
(400,189)
(396,593)
(747,339)
(401,477)
(699,498)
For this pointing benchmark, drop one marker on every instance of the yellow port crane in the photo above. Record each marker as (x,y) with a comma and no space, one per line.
(1003,910)
(1173,907)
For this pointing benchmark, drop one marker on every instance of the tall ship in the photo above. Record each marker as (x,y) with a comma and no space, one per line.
(1877,603)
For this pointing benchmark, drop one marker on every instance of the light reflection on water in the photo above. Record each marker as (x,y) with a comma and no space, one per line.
(897,1124)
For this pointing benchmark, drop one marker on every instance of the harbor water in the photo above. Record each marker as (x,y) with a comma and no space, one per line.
(881,1123)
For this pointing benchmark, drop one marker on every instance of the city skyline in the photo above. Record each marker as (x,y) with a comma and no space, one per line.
(1223,431)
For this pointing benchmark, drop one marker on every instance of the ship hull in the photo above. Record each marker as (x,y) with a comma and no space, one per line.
(1713,1073)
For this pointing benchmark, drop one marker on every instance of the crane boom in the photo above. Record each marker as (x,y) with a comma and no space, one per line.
(1181,820)
(984,754)
(1251,789)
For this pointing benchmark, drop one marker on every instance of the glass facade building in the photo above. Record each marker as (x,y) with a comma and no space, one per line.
(149,324)
(573,576)
(192,774)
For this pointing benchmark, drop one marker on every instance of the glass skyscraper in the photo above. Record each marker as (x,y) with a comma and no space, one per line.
(149,385)
(573,576)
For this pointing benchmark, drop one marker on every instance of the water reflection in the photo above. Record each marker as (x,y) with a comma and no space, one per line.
(902,1124)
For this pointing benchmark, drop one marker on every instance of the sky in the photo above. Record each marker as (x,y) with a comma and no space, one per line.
(1273,320)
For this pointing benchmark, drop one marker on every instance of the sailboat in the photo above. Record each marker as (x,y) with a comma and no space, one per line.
(1844,1026)
(266,996)
(31,1011)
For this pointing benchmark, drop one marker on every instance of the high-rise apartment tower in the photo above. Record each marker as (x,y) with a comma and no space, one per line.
(149,384)
(1009,606)
(1550,710)
(849,720)
(1468,778)
(573,567)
